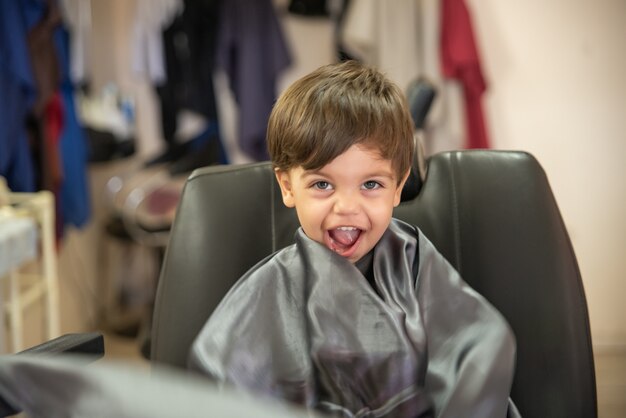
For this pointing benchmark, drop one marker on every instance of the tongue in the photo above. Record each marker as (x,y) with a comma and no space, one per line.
(344,237)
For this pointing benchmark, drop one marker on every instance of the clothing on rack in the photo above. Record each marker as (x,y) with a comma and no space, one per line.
(189,44)
(242,38)
(404,38)
(45,119)
(338,12)
(74,194)
(460,61)
(17,85)
(41,142)
(77,19)
(308,7)
(253,52)
(387,35)
(152,17)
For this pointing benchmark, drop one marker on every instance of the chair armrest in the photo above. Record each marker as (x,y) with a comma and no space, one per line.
(88,343)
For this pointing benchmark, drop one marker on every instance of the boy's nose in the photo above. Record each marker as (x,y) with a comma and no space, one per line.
(346,204)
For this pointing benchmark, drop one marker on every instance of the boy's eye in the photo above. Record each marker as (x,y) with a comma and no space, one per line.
(371,185)
(322,185)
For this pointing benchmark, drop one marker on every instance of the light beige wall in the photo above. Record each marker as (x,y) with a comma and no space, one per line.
(557,72)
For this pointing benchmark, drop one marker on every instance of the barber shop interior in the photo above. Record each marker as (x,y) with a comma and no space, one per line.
(312,208)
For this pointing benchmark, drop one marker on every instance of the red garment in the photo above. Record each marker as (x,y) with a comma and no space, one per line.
(53,165)
(460,61)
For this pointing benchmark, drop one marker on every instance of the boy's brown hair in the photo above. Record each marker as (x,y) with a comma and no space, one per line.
(336,106)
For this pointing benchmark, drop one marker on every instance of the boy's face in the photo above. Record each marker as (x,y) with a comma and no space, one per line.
(347,204)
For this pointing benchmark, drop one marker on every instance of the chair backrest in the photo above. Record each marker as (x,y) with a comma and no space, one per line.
(492,214)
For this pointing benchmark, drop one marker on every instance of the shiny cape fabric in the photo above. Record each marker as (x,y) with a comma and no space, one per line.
(305,325)
(66,387)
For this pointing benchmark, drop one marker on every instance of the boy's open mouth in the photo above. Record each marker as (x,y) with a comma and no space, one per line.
(343,240)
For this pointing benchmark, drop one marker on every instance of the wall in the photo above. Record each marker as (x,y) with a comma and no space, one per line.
(558,89)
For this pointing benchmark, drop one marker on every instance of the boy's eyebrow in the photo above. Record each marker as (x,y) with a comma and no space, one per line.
(306,173)
(304,176)
(319,172)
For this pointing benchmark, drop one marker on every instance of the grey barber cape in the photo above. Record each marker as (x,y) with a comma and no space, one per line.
(65,387)
(399,334)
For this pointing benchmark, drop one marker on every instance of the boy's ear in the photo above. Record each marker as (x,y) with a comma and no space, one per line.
(398,193)
(284,181)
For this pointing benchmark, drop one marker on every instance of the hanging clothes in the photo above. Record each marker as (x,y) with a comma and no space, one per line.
(403,38)
(50,135)
(77,20)
(387,35)
(338,12)
(308,7)
(253,52)
(188,38)
(45,116)
(40,87)
(152,17)
(17,85)
(53,121)
(445,127)
(460,60)
(74,194)
(189,60)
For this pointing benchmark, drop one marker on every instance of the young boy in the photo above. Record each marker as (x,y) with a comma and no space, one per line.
(361,317)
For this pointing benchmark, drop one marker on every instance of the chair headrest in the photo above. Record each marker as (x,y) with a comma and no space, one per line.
(420,95)
(415,181)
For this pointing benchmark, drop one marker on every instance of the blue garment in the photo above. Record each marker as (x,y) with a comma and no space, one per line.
(17,93)
(75,202)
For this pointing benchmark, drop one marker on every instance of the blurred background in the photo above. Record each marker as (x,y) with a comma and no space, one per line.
(160,87)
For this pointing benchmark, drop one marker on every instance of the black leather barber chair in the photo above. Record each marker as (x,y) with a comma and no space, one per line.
(492,215)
